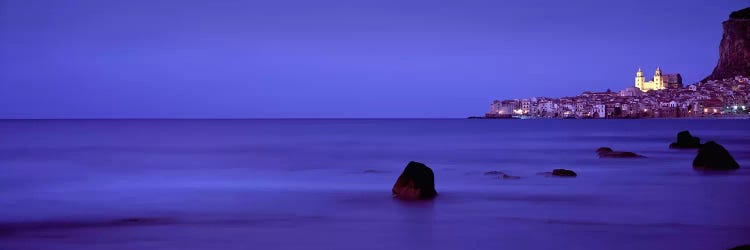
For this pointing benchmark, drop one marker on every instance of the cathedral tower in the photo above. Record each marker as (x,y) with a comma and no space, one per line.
(639,79)
(658,81)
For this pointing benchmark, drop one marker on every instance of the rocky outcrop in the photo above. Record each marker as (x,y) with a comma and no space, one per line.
(713,156)
(686,140)
(605,152)
(741,247)
(734,49)
(564,173)
(417,182)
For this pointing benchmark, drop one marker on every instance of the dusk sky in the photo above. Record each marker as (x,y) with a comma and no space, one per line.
(347,58)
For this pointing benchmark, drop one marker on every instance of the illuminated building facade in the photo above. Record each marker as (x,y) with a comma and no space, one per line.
(656,84)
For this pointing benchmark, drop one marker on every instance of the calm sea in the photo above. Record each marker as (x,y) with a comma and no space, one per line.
(325,184)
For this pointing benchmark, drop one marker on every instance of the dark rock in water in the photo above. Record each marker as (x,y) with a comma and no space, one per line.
(603,149)
(417,182)
(564,173)
(713,156)
(741,247)
(686,140)
(494,173)
(605,152)
(501,175)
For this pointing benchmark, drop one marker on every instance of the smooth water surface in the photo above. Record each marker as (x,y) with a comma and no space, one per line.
(325,184)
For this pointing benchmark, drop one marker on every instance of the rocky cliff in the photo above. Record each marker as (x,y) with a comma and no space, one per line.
(734,50)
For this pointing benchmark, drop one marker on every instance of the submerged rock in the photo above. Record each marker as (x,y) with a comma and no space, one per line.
(605,152)
(373,171)
(564,173)
(501,175)
(509,177)
(713,156)
(9,228)
(417,182)
(686,140)
(494,173)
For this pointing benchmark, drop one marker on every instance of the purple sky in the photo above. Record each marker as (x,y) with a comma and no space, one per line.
(346,58)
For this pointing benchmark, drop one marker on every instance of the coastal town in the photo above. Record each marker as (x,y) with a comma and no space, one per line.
(662,97)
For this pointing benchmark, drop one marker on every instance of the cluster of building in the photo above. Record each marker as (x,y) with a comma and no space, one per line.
(662,97)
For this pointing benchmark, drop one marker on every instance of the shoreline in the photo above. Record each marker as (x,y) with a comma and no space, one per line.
(743,117)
